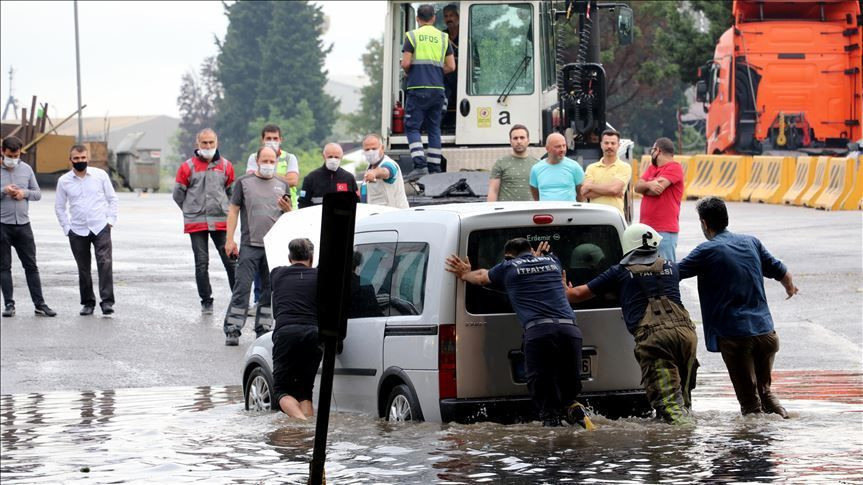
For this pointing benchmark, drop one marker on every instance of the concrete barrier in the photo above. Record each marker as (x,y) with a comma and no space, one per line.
(804,175)
(755,178)
(776,177)
(685,162)
(723,176)
(839,183)
(819,183)
(638,168)
(855,198)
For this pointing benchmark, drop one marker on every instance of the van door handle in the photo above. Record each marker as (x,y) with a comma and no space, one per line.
(464,107)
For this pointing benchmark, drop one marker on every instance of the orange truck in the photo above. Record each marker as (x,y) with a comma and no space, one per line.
(785,77)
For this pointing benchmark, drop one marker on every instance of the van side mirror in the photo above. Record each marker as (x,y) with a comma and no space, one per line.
(624,25)
(701,91)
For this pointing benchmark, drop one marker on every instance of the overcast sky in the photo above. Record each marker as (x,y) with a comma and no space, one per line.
(133,54)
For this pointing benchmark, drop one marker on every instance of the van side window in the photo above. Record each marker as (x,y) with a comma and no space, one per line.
(371,279)
(585,251)
(409,278)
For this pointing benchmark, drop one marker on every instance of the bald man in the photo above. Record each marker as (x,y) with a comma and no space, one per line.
(556,177)
(327,178)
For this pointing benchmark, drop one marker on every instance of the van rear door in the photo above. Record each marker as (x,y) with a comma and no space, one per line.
(489,336)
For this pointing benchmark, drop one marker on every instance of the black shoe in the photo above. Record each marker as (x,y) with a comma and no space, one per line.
(86,310)
(9,310)
(207,308)
(232,340)
(107,309)
(44,310)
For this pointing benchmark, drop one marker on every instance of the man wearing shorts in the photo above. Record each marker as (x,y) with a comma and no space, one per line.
(297,351)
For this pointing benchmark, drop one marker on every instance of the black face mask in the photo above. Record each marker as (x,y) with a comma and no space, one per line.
(79,166)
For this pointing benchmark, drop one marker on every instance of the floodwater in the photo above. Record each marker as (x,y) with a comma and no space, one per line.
(203,435)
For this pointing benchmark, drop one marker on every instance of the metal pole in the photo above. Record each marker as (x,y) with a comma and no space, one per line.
(319,455)
(78,69)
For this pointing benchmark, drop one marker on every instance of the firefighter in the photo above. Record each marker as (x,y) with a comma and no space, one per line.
(426,57)
(665,339)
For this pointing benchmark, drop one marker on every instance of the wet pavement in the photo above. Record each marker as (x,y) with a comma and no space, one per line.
(151,396)
(202,435)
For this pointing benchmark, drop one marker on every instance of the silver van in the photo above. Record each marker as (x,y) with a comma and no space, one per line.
(421,345)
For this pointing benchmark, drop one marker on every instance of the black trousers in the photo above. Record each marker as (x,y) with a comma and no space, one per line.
(200,249)
(552,360)
(104,264)
(20,237)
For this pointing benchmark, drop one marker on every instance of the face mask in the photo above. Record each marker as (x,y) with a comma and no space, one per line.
(207,153)
(333,164)
(267,170)
(79,166)
(11,162)
(372,156)
(654,159)
(274,145)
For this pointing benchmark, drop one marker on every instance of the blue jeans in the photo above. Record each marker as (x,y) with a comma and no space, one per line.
(425,105)
(668,245)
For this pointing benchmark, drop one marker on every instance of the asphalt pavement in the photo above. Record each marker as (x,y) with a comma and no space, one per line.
(158,337)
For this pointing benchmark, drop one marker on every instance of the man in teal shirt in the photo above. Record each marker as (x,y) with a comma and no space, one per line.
(556,177)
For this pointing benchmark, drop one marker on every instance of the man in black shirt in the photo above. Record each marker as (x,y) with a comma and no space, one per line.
(326,178)
(297,351)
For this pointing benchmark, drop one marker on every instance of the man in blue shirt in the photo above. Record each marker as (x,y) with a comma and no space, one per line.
(731,269)
(665,339)
(552,340)
(556,177)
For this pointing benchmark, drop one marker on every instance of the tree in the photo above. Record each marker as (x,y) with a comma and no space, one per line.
(239,66)
(367,118)
(271,66)
(199,95)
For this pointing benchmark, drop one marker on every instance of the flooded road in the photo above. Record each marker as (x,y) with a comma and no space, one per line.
(203,435)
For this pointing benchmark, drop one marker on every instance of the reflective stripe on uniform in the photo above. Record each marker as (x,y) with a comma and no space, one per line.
(233,320)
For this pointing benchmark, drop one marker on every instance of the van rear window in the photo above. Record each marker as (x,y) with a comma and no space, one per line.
(585,252)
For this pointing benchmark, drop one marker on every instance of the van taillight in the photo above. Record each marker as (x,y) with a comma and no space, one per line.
(446,361)
(543,219)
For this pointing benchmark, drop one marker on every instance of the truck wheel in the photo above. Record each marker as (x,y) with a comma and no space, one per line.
(402,405)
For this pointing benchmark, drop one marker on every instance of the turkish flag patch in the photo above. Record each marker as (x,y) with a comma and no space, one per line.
(341,187)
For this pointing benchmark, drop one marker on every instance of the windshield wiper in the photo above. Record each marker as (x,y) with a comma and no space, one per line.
(522,66)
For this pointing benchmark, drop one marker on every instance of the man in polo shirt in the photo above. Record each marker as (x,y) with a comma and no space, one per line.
(556,177)
(510,175)
(662,187)
(383,179)
(259,199)
(605,181)
(552,340)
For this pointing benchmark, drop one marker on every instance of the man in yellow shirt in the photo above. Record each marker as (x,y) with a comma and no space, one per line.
(605,181)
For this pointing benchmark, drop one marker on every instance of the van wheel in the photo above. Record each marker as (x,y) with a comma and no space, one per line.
(402,405)
(259,391)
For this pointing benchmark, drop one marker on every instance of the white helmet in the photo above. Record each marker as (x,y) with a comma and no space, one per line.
(640,236)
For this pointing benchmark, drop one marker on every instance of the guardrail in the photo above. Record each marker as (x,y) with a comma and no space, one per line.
(828,183)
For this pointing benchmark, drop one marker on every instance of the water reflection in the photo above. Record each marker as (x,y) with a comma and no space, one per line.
(182,435)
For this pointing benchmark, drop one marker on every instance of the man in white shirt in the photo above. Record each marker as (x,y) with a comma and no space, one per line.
(86,207)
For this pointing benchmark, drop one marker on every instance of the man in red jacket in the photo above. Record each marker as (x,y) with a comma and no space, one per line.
(202,191)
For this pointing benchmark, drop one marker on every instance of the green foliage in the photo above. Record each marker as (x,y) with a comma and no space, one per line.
(271,68)
(367,118)
(199,95)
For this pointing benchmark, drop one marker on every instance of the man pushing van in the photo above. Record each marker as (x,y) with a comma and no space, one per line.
(552,340)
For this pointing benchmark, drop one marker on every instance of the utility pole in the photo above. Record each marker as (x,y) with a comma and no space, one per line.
(11,101)
(78,69)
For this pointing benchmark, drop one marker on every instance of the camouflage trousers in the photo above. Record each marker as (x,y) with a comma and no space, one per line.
(665,348)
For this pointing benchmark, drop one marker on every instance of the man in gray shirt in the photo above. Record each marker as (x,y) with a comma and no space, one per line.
(258,200)
(17,188)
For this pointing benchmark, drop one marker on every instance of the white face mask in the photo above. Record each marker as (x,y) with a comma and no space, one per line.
(267,170)
(333,164)
(274,145)
(11,162)
(372,156)
(207,153)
